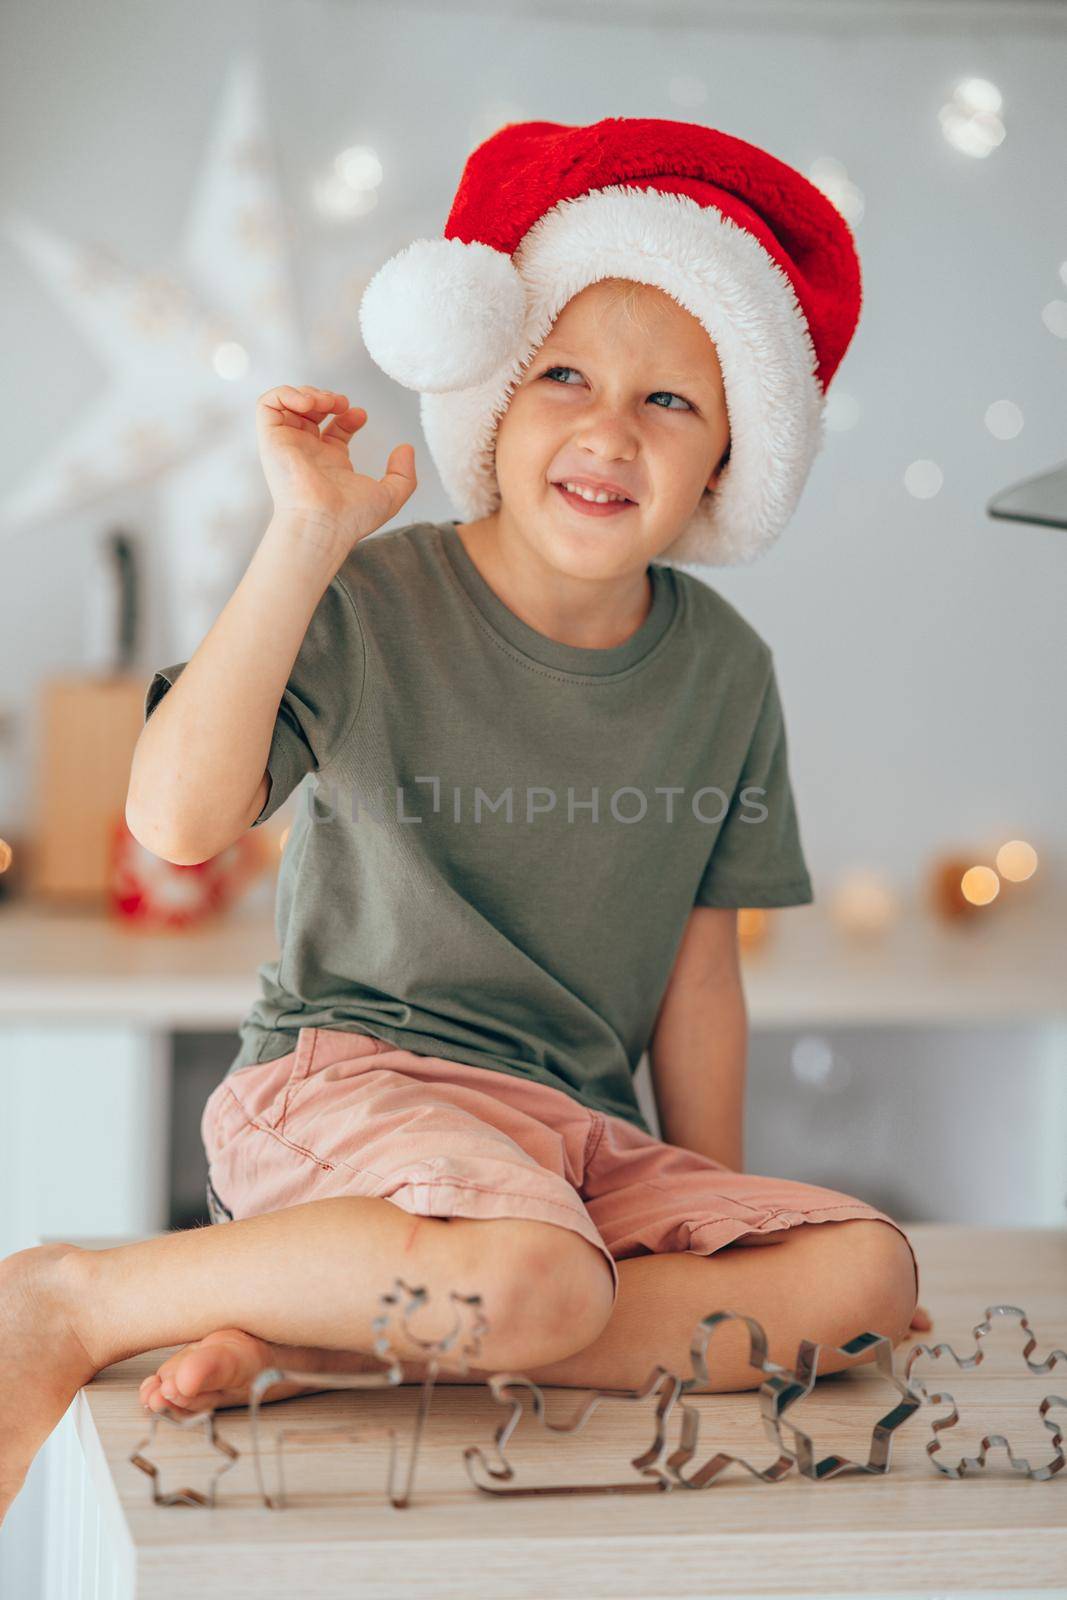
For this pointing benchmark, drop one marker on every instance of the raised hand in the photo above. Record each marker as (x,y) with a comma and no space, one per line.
(308,467)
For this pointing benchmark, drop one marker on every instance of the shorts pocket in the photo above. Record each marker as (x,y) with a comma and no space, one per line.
(257,1095)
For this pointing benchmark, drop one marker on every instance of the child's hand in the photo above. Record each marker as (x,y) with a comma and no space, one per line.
(309,470)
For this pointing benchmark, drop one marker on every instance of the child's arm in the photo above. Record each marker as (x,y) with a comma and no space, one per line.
(198,777)
(699,1044)
(200,762)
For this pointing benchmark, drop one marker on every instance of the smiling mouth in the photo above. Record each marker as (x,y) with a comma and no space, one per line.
(595,508)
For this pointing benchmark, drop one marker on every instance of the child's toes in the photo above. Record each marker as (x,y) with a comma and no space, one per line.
(157,1393)
(217,1368)
(153,1399)
(208,1401)
(149,1388)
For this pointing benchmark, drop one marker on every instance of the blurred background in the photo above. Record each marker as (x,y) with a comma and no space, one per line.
(192,200)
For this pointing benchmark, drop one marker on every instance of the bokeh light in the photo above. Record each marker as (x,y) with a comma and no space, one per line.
(923,479)
(970,121)
(1016,860)
(1004,419)
(980,885)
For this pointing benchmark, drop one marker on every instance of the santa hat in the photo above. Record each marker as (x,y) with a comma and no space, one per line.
(748,246)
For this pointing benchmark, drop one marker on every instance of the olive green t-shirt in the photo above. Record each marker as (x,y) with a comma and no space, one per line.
(500,837)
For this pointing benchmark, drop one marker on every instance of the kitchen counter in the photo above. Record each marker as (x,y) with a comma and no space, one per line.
(1005,966)
(909,1531)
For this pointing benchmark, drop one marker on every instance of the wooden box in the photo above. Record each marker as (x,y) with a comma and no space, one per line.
(87,729)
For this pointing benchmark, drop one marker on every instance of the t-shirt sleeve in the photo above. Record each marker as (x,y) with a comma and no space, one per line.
(757,858)
(320,701)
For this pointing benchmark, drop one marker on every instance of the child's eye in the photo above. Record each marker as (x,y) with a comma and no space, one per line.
(670,396)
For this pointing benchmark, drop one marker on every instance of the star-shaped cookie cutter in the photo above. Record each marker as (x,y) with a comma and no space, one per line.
(503,1386)
(690,1430)
(409,1300)
(964,1363)
(185,1423)
(779,1393)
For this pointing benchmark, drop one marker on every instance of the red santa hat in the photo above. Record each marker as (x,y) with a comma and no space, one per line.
(747,245)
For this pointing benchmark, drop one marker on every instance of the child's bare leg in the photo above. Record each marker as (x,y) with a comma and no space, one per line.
(823,1281)
(310,1275)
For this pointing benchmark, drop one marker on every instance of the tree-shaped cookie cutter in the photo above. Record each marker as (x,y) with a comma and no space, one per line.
(467,1308)
(506,1388)
(977,1463)
(185,1496)
(690,1429)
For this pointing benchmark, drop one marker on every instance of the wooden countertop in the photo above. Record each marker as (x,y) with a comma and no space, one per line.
(1005,967)
(907,1531)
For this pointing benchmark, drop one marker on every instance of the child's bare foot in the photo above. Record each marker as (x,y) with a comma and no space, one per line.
(217,1371)
(43,1362)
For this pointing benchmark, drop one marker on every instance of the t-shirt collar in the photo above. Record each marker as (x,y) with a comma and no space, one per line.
(576,659)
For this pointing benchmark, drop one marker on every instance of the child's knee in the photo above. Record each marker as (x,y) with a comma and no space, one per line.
(579,1288)
(556,1296)
(877,1262)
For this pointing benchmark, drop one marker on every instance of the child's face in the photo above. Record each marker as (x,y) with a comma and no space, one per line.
(634,398)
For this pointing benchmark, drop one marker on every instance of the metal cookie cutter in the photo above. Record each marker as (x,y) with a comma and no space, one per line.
(660,1383)
(690,1430)
(963,1363)
(778,1393)
(468,1310)
(283,1437)
(185,1496)
(467,1306)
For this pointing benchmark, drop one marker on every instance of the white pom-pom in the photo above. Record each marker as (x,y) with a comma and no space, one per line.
(443,315)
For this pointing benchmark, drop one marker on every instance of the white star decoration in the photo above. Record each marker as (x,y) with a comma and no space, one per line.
(189,357)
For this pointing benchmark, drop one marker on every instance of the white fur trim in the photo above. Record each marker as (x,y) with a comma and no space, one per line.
(443,315)
(723,276)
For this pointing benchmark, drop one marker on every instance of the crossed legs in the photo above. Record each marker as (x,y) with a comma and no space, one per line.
(301,1287)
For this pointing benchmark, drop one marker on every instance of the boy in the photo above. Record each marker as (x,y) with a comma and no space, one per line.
(588,757)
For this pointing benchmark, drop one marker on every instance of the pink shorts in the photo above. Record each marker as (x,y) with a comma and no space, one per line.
(348,1114)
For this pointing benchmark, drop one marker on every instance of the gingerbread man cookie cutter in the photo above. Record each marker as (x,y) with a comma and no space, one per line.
(691,1419)
(973,1464)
